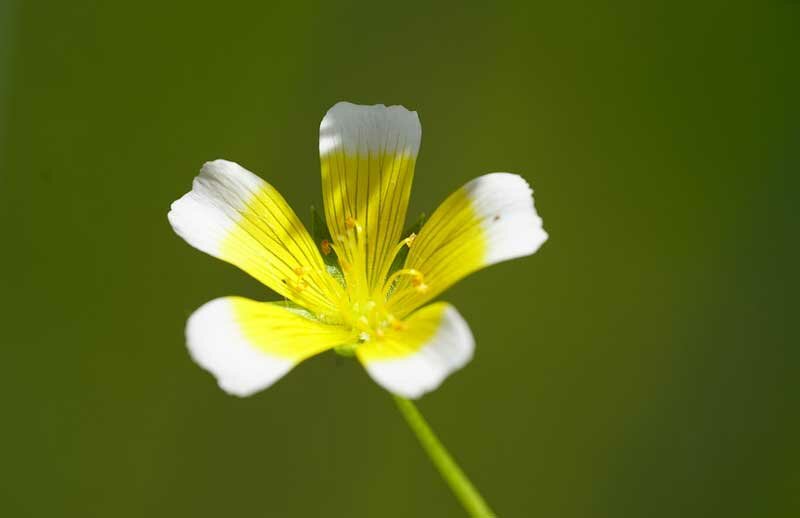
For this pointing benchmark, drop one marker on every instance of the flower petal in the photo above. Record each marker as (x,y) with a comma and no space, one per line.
(490,219)
(249,345)
(367,155)
(434,342)
(236,216)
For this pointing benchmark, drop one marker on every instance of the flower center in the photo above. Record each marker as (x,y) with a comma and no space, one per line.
(365,306)
(371,320)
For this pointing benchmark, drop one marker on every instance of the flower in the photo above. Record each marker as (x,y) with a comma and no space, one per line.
(362,289)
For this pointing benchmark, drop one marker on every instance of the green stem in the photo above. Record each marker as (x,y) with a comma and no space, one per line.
(466,493)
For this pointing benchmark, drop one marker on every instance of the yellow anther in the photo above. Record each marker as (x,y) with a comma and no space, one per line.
(417,279)
(301,270)
(352,223)
(325,245)
(407,242)
(397,325)
(300,285)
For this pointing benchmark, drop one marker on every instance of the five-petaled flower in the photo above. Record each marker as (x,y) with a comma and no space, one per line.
(363,288)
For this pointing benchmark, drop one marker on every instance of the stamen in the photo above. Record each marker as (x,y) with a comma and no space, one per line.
(351,223)
(404,242)
(397,325)
(297,286)
(417,280)
(325,245)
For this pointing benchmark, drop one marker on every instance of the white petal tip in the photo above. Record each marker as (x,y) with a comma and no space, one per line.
(205,215)
(504,202)
(357,128)
(412,376)
(217,344)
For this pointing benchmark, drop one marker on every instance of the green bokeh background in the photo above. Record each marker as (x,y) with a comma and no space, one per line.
(642,363)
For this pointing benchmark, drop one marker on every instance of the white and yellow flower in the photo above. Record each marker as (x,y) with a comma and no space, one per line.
(363,289)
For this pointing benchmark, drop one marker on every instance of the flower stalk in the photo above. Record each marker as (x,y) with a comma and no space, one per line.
(466,493)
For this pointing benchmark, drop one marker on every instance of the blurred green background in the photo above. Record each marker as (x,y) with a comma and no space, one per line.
(643,363)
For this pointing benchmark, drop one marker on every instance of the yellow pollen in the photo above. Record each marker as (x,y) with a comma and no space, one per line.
(301,270)
(410,239)
(352,223)
(397,325)
(298,286)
